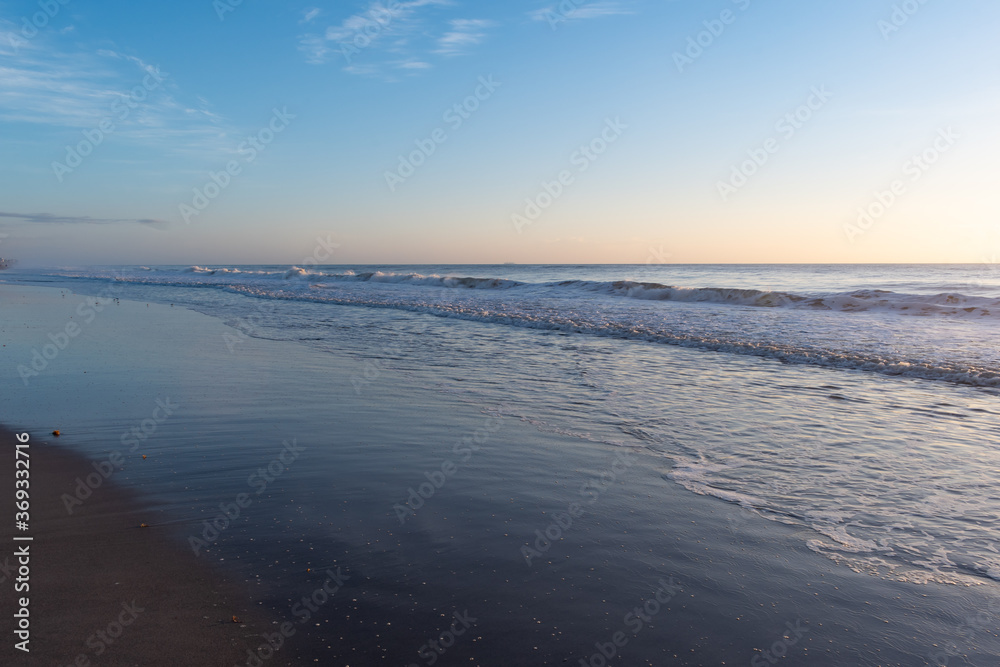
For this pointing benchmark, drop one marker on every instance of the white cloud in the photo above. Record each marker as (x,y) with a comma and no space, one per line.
(590,10)
(315,48)
(309,14)
(362,70)
(463,34)
(413,64)
(42,84)
(365,29)
(393,35)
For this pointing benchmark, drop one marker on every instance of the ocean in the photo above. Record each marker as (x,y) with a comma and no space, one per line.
(768,451)
(920,321)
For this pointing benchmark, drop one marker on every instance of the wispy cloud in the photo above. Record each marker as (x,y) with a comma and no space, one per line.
(590,10)
(316,49)
(413,64)
(464,33)
(366,30)
(43,84)
(380,19)
(78,219)
(309,14)
(391,36)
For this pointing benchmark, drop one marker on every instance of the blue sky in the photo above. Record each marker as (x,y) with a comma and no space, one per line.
(847,131)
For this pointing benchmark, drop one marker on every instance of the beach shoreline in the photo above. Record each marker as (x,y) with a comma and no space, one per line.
(390,415)
(102,589)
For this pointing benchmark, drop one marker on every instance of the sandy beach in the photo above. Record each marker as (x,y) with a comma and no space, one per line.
(104,590)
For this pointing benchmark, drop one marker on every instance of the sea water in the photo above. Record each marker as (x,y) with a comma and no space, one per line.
(852,408)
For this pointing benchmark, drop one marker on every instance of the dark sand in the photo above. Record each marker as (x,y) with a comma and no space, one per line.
(85,567)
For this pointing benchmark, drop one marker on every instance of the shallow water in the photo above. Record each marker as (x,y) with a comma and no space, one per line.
(772,492)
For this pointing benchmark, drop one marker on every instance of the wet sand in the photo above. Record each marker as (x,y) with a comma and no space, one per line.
(718,585)
(103,590)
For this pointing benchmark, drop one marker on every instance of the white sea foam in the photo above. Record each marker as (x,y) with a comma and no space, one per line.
(832,330)
(942,304)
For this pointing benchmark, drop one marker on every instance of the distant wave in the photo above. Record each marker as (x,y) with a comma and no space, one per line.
(601,309)
(389,277)
(210,272)
(950,304)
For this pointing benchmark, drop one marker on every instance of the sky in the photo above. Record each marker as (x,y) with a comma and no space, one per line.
(527,131)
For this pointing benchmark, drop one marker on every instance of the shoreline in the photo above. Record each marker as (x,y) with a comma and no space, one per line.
(745,582)
(102,589)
